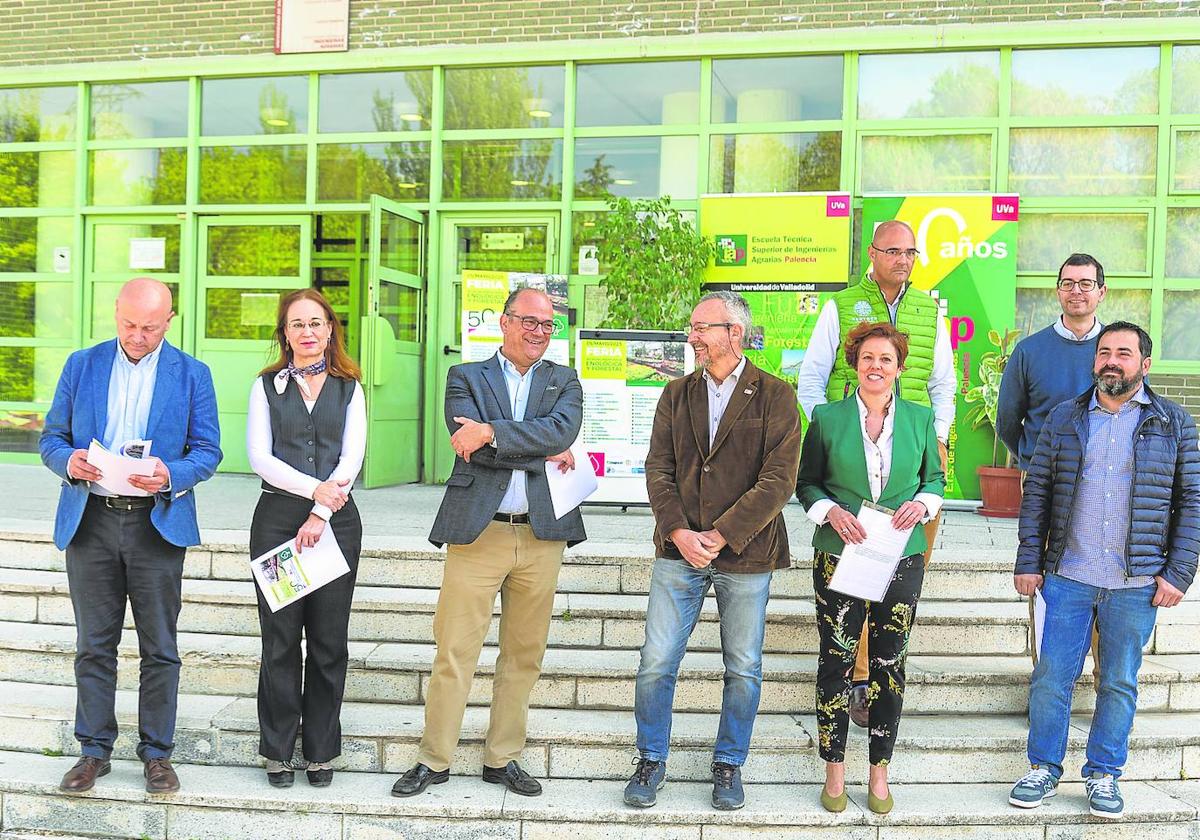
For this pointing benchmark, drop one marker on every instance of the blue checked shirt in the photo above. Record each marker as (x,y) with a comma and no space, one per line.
(1096,547)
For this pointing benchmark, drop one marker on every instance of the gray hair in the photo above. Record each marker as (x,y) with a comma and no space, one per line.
(738,309)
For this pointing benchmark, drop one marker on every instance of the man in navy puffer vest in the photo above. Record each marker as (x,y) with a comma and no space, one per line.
(1110,528)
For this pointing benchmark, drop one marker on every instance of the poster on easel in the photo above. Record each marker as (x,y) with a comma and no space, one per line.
(623,373)
(483,296)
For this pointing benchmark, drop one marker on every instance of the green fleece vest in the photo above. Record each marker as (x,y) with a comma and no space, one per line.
(916,316)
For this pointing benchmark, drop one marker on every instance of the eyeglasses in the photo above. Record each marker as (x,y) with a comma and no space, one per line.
(701,327)
(1084,285)
(316,324)
(529,323)
(897,253)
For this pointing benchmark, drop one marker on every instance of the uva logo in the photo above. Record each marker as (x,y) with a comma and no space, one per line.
(731,249)
(961,248)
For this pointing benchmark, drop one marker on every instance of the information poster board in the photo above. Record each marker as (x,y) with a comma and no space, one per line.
(483,296)
(623,373)
(785,253)
(968,261)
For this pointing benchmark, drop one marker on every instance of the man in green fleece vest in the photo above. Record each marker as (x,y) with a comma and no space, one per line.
(885,294)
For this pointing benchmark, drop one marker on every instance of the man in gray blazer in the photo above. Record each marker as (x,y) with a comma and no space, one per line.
(507,416)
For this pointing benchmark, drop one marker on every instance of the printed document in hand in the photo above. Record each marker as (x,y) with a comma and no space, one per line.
(115,469)
(568,490)
(865,570)
(1039,620)
(285,575)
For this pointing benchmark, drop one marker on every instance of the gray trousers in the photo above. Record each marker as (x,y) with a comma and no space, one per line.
(115,556)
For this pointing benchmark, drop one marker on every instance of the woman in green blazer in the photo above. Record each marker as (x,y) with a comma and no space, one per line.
(872,446)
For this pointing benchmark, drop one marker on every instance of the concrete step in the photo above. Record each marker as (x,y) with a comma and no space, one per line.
(229,802)
(591,744)
(580,619)
(593,679)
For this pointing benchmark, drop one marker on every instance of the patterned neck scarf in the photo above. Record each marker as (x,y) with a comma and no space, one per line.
(293,372)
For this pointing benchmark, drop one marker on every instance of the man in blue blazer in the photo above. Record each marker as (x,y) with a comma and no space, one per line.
(136,387)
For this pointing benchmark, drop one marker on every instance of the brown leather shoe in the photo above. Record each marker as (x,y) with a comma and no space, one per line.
(160,776)
(83,775)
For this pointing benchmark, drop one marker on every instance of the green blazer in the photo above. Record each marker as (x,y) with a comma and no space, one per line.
(834,466)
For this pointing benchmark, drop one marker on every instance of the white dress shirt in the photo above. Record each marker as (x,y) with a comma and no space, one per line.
(283,475)
(718,397)
(826,343)
(516,498)
(879,467)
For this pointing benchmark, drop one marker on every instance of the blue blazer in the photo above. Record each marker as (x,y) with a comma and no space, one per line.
(182,426)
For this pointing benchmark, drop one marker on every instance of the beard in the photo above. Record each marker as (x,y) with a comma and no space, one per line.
(1118,386)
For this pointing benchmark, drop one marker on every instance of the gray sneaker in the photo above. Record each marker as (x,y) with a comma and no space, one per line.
(1104,797)
(727,792)
(1035,786)
(648,778)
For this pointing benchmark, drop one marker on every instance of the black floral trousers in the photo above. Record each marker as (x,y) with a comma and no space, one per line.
(839,623)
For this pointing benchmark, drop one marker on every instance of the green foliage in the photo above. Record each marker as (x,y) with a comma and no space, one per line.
(984,398)
(655,258)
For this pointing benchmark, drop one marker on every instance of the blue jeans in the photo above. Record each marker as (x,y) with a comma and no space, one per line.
(1124,620)
(677,593)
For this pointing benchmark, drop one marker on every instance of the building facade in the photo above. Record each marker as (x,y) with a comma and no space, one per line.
(167,139)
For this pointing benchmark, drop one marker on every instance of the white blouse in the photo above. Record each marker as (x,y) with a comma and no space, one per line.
(879,467)
(280,474)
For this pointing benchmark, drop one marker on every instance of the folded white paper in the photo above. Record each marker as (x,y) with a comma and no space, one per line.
(116,469)
(865,569)
(1039,620)
(284,575)
(569,490)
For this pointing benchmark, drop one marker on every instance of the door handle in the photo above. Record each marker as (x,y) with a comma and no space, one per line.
(447,349)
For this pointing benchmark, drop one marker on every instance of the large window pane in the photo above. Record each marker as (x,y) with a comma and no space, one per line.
(28,115)
(1183,242)
(36,310)
(934,163)
(375,101)
(399,243)
(30,374)
(749,163)
(400,306)
(658,93)
(948,84)
(271,105)
(504,97)
(1038,308)
(584,227)
(1187,162)
(28,244)
(502,169)
(37,179)
(475,255)
(353,171)
(112,244)
(1082,161)
(1181,313)
(339,232)
(751,90)
(135,177)
(240,313)
(254,251)
(144,109)
(1118,240)
(252,174)
(1185,79)
(1105,80)
(635,167)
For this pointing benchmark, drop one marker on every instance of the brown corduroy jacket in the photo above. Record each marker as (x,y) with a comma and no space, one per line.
(739,486)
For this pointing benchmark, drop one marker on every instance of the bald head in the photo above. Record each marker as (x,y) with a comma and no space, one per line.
(890,228)
(143,316)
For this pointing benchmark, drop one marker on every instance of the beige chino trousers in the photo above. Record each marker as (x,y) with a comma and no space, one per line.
(510,560)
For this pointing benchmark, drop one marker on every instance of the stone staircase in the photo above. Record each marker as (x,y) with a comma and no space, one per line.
(961,743)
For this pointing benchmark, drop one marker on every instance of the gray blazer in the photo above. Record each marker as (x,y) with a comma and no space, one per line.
(553,416)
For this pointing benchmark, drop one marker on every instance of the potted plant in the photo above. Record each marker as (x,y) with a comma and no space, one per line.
(999,485)
(655,259)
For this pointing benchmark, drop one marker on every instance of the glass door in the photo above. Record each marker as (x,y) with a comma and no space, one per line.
(518,243)
(247,263)
(392,344)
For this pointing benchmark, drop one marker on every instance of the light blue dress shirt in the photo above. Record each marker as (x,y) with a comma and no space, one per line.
(130,392)
(516,499)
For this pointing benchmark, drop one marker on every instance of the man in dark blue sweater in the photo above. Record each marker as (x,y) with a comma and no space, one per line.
(1054,364)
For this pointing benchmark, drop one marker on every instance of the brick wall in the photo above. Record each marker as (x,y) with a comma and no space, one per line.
(34,32)
(1183,389)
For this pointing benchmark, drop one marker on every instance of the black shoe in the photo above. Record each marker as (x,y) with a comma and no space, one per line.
(320,778)
(282,779)
(860,708)
(514,778)
(417,779)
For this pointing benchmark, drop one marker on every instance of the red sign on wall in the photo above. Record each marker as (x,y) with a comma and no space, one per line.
(307,26)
